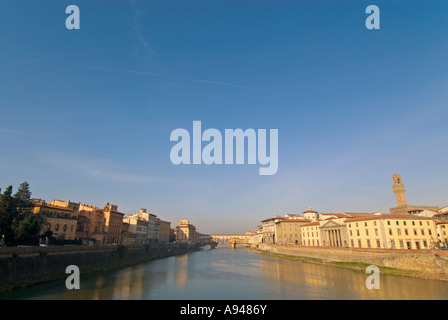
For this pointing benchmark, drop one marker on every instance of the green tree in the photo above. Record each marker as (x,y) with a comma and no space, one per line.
(18,223)
(26,225)
(8,211)
(27,230)
(23,199)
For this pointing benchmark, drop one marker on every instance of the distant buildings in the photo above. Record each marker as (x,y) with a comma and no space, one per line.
(164,230)
(356,230)
(186,232)
(137,227)
(113,225)
(87,224)
(406,227)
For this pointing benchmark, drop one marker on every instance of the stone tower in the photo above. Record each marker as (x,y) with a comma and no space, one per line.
(398,189)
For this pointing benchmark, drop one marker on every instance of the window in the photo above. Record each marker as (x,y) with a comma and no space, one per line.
(71,228)
(365,224)
(388,223)
(399,232)
(423,232)
(374,223)
(401,244)
(404,223)
(367,232)
(352,243)
(351,233)
(397,222)
(390,232)
(425,244)
(357,233)
(56,227)
(359,243)
(368,243)
(415,232)
(421,223)
(378,243)
(429,231)
(413,223)
(392,243)
(376,232)
(64,228)
(406,232)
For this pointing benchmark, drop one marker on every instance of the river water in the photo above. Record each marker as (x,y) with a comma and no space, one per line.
(234,274)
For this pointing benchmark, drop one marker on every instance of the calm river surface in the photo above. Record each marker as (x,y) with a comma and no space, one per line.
(225,273)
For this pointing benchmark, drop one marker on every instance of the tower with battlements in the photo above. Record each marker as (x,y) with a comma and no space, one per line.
(399,190)
(402,207)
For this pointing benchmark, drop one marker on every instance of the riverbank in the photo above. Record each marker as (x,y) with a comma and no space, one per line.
(23,267)
(412,263)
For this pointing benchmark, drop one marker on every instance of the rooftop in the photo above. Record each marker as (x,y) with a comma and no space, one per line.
(389,216)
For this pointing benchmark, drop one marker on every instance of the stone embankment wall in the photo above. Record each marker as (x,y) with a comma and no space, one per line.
(30,265)
(420,263)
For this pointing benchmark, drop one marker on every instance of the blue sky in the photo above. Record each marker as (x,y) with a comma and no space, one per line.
(86,114)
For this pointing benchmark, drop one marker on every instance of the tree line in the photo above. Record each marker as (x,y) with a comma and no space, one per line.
(18,224)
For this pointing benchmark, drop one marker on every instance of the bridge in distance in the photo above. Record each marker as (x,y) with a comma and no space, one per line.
(231,239)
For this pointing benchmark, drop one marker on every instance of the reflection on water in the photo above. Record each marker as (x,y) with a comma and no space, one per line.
(226,273)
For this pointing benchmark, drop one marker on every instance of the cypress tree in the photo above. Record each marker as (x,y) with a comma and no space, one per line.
(7,215)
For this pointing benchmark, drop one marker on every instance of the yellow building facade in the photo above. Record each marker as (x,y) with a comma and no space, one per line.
(311,234)
(60,220)
(289,230)
(442,232)
(392,232)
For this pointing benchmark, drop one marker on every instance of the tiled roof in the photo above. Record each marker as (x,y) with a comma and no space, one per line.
(46,205)
(273,218)
(388,216)
(311,224)
(295,220)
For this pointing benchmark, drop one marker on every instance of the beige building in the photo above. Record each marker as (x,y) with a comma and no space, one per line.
(95,222)
(269,226)
(129,237)
(329,230)
(164,230)
(442,231)
(152,231)
(311,234)
(113,224)
(372,231)
(185,232)
(392,232)
(137,226)
(61,220)
(255,236)
(288,230)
